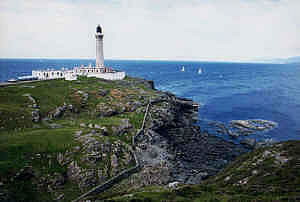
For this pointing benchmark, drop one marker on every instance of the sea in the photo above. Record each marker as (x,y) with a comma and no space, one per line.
(225,91)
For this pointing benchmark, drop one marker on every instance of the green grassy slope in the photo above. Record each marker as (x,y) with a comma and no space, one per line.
(25,144)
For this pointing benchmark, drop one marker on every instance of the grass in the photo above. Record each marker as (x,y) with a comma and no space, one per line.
(17,148)
(37,148)
(24,143)
(15,110)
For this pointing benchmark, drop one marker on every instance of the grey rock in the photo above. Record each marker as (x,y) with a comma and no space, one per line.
(60,158)
(35,115)
(104,131)
(88,179)
(76,149)
(249,142)
(35,106)
(74,172)
(90,125)
(60,197)
(97,126)
(55,125)
(25,173)
(58,112)
(83,125)
(123,127)
(57,180)
(114,161)
(246,127)
(173,185)
(30,98)
(103,92)
(195,179)
(78,133)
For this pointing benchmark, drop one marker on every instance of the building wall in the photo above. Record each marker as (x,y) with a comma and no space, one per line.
(108,76)
(51,74)
(70,74)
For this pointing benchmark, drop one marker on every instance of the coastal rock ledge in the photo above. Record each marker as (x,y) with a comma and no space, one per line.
(174,149)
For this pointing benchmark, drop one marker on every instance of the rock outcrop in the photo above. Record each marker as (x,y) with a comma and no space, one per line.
(173,143)
(35,108)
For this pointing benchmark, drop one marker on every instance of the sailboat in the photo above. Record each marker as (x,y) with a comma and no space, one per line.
(182,69)
(200,71)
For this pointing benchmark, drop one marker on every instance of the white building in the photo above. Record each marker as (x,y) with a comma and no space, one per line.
(98,71)
(48,74)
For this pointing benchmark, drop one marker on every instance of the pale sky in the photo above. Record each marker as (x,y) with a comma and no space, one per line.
(210,30)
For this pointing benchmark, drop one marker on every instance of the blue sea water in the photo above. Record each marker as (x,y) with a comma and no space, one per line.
(226,91)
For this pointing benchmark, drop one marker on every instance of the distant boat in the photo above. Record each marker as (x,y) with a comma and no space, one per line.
(12,80)
(182,69)
(200,71)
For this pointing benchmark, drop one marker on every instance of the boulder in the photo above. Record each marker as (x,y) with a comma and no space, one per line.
(25,173)
(83,125)
(173,185)
(104,131)
(105,110)
(57,180)
(114,164)
(96,126)
(74,171)
(88,179)
(103,92)
(59,111)
(90,125)
(124,127)
(35,115)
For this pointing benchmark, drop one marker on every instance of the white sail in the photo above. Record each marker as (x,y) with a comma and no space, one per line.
(182,69)
(199,71)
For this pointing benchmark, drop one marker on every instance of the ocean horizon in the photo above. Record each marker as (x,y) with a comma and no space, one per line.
(225,90)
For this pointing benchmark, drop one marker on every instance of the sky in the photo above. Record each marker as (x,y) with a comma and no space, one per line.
(203,30)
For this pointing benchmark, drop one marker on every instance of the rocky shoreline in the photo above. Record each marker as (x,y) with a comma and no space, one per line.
(102,119)
(173,144)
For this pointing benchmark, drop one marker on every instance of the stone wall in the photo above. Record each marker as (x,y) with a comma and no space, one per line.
(108,76)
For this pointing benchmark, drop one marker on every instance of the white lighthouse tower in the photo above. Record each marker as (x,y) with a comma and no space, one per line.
(99,47)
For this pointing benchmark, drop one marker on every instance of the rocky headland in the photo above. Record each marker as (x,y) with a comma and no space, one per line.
(61,140)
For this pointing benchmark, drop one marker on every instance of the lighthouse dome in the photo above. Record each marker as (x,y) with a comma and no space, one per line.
(98,29)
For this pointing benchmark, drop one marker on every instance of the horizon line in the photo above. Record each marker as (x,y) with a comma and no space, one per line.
(144,59)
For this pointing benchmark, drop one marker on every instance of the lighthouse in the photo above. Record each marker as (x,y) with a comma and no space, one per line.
(98,71)
(99,47)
